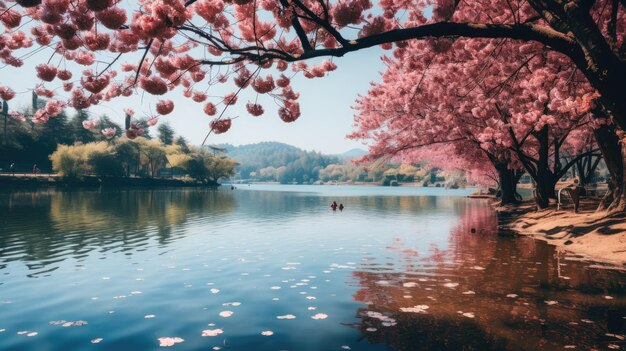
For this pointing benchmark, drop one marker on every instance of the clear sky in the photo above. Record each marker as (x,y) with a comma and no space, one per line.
(325,103)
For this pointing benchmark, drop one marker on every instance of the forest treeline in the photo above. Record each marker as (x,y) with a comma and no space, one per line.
(278,162)
(66,145)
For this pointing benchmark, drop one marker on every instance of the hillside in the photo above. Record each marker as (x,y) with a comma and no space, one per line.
(274,161)
(351,154)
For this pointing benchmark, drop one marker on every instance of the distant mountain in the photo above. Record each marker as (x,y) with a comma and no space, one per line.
(352,153)
(274,161)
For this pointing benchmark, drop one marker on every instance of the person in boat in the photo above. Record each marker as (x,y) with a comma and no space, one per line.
(334,205)
(340,207)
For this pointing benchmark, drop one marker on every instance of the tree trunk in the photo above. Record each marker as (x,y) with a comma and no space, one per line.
(508,184)
(544,189)
(613,154)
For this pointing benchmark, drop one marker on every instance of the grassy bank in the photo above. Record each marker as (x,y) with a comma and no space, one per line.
(597,236)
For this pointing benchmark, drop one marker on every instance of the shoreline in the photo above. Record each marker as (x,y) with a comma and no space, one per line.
(46,181)
(590,235)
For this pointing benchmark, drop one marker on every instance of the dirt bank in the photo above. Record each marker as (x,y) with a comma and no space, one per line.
(597,236)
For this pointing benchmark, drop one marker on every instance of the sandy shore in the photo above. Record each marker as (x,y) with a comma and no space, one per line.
(597,236)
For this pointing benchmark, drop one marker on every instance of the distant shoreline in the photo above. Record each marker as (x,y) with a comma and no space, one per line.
(26,180)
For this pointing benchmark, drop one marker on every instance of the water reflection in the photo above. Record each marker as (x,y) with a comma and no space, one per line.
(185,256)
(43,228)
(486,292)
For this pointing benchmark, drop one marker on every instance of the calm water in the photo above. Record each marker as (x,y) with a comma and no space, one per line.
(398,269)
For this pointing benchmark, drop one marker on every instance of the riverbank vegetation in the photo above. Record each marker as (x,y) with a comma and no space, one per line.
(77,147)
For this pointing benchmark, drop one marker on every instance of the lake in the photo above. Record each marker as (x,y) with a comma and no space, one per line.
(269,267)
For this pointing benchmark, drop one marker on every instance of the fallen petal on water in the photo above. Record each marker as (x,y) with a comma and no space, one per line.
(212,332)
(267,333)
(320,316)
(415,309)
(96,340)
(168,341)
(226,314)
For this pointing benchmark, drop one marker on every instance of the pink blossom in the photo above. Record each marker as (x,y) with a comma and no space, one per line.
(290,111)
(79,100)
(198,96)
(153,85)
(92,83)
(10,18)
(210,109)
(108,132)
(282,81)
(220,126)
(64,74)
(42,91)
(112,18)
(263,86)
(65,31)
(254,109)
(17,116)
(85,58)
(40,117)
(54,107)
(97,41)
(89,125)
(6,93)
(46,72)
(152,121)
(165,107)
(129,111)
(230,99)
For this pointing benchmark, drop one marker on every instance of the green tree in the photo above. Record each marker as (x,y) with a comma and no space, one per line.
(166,133)
(184,146)
(78,132)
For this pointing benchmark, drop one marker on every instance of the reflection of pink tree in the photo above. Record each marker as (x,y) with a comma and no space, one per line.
(501,284)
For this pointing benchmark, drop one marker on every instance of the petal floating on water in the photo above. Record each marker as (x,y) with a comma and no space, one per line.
(226,314)
(212,332)
(168,341)
(415,309)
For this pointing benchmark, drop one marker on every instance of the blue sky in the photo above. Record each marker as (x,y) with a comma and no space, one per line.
(325,103)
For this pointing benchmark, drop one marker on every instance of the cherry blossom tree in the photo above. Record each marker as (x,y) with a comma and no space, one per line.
(165,45)
(516,109)
(182,41)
